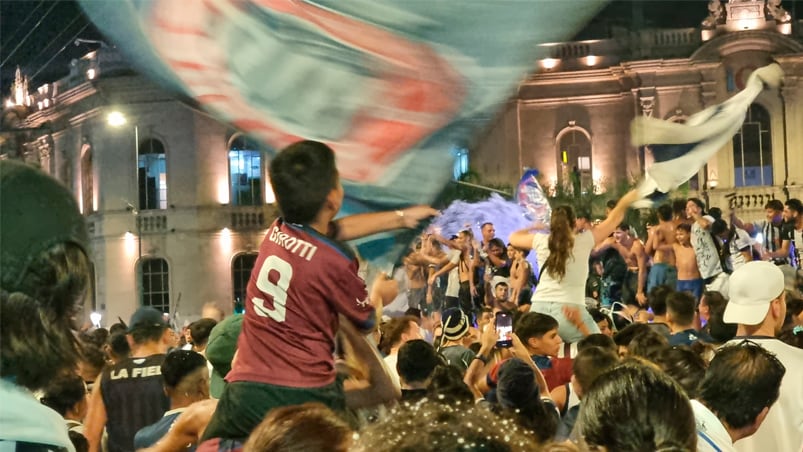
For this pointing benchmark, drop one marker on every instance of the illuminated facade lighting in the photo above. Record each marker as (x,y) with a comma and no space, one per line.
(549,63)
(116,119)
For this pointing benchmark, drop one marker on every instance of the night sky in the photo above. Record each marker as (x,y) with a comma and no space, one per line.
(43,31)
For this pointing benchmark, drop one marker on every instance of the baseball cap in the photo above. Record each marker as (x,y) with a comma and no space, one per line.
(147,316)
(38,213)
(753,286)
(220,351)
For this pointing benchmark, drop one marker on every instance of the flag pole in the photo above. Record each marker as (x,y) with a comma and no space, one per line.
(482,187)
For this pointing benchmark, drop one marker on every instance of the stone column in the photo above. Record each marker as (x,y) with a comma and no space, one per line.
(646,106)
(793,115)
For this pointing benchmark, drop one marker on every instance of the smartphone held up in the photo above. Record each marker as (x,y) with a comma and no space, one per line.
(504,329)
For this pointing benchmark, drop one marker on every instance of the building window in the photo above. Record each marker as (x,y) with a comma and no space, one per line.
(460,162)
(87,189)
(245,172)
(152,175)
(241,269)
(155,283)
(575,163)
(752,149)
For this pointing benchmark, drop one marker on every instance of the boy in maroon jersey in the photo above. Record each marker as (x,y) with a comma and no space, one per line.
(303,280)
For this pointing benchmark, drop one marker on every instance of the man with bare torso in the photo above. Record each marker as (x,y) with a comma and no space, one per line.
(632,251)
(689,279)
(660,246)
(416,269)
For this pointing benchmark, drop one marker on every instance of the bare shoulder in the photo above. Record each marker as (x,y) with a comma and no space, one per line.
(667,228)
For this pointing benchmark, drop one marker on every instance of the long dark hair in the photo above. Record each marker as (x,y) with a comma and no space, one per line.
(561,241)
(51,293)
(625,409)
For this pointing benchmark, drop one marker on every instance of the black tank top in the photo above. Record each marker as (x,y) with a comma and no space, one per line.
(134,398)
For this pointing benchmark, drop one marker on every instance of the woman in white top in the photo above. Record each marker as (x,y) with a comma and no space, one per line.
(563,257)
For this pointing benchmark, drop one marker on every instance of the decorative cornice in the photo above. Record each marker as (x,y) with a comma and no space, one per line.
(758,40)
(599,99)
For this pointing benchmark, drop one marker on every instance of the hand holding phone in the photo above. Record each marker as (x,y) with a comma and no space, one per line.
(504,329)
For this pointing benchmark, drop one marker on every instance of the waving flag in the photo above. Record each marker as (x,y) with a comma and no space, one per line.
(390,85)
(680,150)
(532,198)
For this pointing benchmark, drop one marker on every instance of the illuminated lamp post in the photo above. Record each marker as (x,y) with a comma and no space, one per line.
(117,119)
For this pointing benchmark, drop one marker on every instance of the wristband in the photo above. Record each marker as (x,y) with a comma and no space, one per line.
(481,358)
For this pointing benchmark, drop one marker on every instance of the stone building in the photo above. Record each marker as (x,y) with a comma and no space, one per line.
(573,114)
(177,203)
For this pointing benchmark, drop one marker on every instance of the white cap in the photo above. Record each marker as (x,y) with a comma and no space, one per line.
(753,286)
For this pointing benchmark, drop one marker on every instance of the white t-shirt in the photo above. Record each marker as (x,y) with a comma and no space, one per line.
(453,281)
(572,288)
(783,427)
(390,362)
(740,242)
(711,434)
(704,250)
(797,252)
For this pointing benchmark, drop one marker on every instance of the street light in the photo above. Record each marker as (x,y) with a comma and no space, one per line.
(118,119)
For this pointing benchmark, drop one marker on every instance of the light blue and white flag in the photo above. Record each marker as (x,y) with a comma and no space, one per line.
(681,150)
(390,85)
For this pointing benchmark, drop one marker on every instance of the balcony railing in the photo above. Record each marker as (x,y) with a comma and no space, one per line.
(748,202)
(252,217)
(151,222)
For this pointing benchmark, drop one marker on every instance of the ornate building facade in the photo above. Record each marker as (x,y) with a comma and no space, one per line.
(177,203)
(572,116)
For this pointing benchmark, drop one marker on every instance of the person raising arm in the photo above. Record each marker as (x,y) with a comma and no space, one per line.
(563,257)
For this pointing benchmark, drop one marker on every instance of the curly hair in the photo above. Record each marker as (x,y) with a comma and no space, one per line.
(561,241)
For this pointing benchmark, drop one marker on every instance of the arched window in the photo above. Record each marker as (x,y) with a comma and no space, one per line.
(574,157)
(87,189)
(155,283)
(461,166)
(752,149)
(241,268)
(245,172)
(152,175)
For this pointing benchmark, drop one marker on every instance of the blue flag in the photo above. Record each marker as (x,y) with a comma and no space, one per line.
(681,150)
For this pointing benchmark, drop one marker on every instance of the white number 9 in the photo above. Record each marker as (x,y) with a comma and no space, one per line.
(276,291)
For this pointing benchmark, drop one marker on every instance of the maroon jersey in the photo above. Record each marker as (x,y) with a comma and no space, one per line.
(300,283)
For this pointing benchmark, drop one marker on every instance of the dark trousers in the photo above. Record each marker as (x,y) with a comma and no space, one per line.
(243,405)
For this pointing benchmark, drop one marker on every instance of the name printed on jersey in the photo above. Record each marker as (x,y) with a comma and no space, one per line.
(295,245)
(136,372)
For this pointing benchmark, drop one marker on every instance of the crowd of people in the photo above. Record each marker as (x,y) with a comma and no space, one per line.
(687,339)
